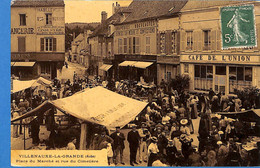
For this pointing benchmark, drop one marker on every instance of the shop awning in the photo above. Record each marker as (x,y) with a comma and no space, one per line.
(127,63)
(143,65)
(97,105)
(137,64)
(105,67)
(23,64)
(252,115)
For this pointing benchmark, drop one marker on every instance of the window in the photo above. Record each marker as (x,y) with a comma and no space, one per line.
(186,68)
(189,40)
(48,44)
(22,19)
(239,78)
(21,44)
(220,70)
(147,50)
(120,46)
(203,77)
(162,43)
(135,45)
(48,19)
(125,45)
(206,40)
(174,42)
(45,68)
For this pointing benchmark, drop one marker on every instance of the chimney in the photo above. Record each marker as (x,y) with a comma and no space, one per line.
(103,16)
(115,7)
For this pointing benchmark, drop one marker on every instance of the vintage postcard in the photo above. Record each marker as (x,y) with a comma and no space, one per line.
(135,83)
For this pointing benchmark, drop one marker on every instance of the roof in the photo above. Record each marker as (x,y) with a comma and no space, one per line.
(204,4)
(102,29)
(79,38)
(153,9)
(38,3)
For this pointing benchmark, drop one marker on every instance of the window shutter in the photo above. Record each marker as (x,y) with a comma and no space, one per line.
(178,42)
(200,42)
(21,44)
(258,36)
(42,44)
(168,42)
(54,44)
(218,40)
(213,40)
(158,43)
(195,40)
(183,40)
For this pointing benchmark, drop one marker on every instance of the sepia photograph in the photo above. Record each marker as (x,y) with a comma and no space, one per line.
(149,83)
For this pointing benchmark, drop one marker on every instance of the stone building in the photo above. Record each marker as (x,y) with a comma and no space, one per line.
(202,56)
(37,38)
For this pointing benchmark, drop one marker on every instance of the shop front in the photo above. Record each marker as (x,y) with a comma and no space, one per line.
(168,68)
(221,73)
(141,68)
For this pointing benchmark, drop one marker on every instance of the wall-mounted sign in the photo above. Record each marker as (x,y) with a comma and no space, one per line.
(238,26)
(22,30)
(53,30)
(221,58)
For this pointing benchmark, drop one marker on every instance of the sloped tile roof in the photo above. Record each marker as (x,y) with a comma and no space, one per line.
(102,29)
(203,4)
(38,3)
(141,9)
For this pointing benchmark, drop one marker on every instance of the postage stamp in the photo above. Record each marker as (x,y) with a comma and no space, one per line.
(238,27)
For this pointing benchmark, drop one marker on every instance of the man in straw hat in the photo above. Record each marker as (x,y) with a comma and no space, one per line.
(144,136)
(152,151)
(184,128)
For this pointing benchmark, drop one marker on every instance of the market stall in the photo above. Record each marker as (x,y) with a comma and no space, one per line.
(97,105)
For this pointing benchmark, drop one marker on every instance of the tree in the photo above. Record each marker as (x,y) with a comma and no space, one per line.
(180,83)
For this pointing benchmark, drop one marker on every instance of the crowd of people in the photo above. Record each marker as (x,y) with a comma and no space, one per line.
(163,134)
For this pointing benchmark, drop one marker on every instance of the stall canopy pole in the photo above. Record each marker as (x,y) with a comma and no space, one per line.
(24,137)
(83,136)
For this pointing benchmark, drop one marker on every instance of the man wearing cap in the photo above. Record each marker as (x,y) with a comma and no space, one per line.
(162,140)
(171,151)
(144,136)
(152,151)
(133,139)
(118,145)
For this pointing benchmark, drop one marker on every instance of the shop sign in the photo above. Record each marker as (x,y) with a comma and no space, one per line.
(22,30)
(221,58)
(238,27)
(21,56)
(53,30)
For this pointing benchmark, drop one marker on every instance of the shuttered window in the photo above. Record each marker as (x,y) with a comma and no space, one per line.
(189,40)
(147,48)
(120,50)
(48,44)
(22,19)
(21,44)
(162,43)
(207,40)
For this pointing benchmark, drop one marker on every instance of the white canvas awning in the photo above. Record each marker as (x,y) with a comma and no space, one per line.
(128,63)
(101,106)
(143,65)
(23,64)
(97,105)
(105,67)
(137,64)
(19,85)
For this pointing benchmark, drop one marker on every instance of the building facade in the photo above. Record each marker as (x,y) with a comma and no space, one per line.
(146,41)
(37,38)
(202,56)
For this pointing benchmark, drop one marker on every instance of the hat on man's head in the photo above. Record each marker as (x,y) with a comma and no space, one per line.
(219,142)
(21,100)
(183,137)
(159,125)
(184,121)
(154,139)
(117,127)
(13,101)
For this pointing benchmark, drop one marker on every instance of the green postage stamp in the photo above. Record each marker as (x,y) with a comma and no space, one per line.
(238,27)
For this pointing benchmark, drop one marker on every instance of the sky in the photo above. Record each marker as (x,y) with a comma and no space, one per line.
(89,10)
